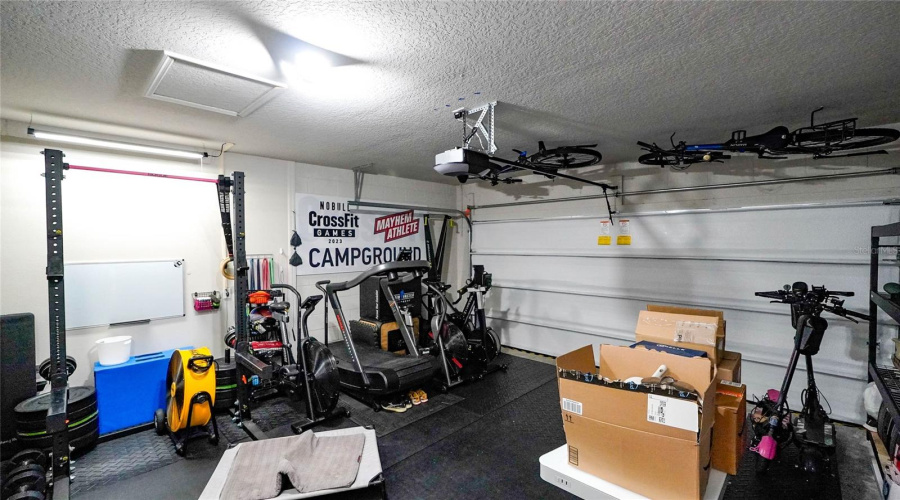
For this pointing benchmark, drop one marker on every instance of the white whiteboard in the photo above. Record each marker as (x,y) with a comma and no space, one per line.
(104,293)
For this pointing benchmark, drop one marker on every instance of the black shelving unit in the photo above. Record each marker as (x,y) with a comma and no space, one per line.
(886,378)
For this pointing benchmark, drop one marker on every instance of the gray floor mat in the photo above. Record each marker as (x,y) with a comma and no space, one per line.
(386,422)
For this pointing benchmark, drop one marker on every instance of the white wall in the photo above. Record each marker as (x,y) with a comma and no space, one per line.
(334,182)
(108,218)
(558,290)
(122,218)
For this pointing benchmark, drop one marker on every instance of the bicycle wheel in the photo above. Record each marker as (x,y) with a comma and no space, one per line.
(659,159)
(824,142)
(565,157)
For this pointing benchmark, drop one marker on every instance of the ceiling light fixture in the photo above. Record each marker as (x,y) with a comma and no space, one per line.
(124,146)
(307,65)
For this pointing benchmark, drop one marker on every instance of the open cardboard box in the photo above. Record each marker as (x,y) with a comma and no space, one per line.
(729,439)
(729,368)
(699,329)
(614,433)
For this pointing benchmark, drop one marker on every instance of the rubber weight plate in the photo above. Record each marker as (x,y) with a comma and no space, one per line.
(35,408)
(83,435)
(884,419)
(225,399)
(893,440)
(44,368)
(226,384)
(40,425)
(226,370)
(5,467)
(27,495)
(29,477)
(887,433)
(30,456)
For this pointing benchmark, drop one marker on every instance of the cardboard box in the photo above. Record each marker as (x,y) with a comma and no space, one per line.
(729,439)
(705,332)
(729,367)
(614,433)
(690,311)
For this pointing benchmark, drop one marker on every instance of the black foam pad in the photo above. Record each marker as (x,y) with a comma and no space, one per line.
(17,372)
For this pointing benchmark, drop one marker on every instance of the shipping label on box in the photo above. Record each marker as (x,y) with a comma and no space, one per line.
(571,406)
(672,412)
(696,332)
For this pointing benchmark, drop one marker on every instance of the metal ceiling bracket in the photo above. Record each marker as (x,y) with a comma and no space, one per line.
(484,133)
(359,175)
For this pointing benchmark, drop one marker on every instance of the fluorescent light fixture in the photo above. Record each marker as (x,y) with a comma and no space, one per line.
(98,143)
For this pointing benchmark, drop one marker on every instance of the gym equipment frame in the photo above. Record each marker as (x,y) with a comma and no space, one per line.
(59,375)
(231,193)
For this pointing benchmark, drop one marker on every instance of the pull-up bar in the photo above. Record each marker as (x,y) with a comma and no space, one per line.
(143,174)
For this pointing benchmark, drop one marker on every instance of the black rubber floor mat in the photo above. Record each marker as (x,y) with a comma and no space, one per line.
(229,431)
(421,434)
(122,458)
(495,457)
(499,388)
(268,415)
(184,478)
(385,422)
(783,480)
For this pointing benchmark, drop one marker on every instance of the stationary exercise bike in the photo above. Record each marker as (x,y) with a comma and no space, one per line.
(310,374)
(771,419)
(314,376)
(465,343)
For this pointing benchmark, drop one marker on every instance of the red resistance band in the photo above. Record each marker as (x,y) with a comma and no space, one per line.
(143,174)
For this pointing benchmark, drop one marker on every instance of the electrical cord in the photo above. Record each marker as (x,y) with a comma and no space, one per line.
(221,151)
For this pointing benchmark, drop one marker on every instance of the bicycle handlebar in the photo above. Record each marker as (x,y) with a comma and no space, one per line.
(814,300)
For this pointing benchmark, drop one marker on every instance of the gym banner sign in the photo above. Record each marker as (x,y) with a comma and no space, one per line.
(336,240)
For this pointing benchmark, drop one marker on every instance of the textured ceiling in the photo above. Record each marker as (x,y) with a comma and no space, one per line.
(607,72)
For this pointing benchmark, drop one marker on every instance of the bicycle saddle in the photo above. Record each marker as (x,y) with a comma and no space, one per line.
(775,139)
(279,306)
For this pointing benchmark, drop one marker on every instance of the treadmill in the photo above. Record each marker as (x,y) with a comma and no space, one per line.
(367,372)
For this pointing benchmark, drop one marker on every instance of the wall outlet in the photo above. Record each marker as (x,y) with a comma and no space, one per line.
(562,482)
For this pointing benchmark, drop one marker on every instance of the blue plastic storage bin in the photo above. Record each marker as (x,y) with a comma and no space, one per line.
(128,394)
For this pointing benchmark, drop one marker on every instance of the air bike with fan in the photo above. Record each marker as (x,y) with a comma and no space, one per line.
(309,374)
(313,373)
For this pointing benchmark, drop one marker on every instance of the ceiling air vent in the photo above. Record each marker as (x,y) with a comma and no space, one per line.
(190,82)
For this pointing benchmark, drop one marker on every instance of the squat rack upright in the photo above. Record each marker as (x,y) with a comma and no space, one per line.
(249,368)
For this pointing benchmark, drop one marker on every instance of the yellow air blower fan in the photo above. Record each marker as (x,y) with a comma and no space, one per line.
(190,396)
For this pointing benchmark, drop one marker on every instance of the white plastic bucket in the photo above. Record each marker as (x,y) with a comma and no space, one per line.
(114,350)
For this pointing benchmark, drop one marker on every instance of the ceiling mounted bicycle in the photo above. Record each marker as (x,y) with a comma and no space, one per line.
(818,141)
(469,161)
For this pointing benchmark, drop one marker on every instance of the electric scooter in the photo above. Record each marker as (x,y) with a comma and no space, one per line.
(773,424)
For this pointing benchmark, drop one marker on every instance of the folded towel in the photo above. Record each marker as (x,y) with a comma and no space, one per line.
(308,462)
